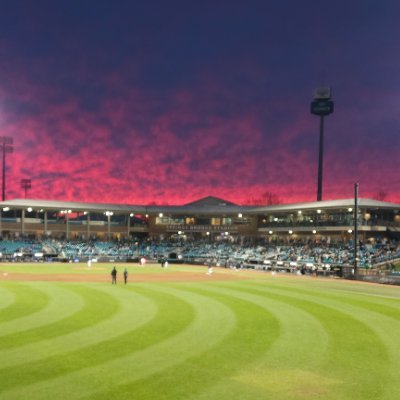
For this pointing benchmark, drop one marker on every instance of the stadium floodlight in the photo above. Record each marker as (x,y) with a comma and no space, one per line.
(355,229)
(322,105)
(26,184)
(240,215)
(7,146)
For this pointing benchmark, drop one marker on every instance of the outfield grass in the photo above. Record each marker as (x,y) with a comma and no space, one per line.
(252,337)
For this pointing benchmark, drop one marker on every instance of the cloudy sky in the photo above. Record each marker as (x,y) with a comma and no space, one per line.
(170,101)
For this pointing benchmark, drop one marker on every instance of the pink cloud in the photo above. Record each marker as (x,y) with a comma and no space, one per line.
(137,148)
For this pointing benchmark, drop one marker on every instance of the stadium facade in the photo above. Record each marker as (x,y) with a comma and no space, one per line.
(208,217)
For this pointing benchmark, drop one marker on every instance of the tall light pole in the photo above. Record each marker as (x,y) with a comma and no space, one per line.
(321,105)
(6,144)
(26,184)
(355,229)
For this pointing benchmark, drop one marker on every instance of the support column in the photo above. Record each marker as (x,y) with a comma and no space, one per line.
(45,223)
(67,224)
(108,226)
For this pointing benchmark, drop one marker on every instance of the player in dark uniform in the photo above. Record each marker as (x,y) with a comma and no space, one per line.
(126,276)
(114,276)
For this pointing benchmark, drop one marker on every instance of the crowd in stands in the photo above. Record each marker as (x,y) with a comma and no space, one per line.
(239,253)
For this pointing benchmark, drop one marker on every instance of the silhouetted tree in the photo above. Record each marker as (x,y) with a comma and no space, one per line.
(381,195)
(266,199)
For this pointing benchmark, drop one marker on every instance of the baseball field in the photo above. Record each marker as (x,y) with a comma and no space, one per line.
(174,333)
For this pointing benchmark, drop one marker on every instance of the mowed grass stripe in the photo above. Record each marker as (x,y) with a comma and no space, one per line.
(28,300)
(290,319)
(38,324)
(171,317)
(114,314)
(276,372)
(385,322)
(7,297)
(381,318)
(388,330)
(388,306)
(212,322)
(255,331)
(354,346)
(98,306)
(385,306)
(372,290)
(259,379)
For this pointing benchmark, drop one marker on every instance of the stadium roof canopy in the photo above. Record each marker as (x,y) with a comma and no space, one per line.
(207,205)
(327,204)
(53,205)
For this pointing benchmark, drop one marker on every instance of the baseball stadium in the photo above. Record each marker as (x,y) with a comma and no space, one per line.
(210,300)
(207,230)
(160,234)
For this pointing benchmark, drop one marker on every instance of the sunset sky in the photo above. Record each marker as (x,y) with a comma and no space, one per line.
(169,101)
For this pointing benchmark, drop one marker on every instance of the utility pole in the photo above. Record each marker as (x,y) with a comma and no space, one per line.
(6,144)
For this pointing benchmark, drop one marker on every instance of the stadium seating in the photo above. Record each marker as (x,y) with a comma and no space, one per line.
(256,254)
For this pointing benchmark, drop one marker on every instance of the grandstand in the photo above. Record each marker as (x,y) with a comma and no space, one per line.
(209,218)
(303,237)
(303,257)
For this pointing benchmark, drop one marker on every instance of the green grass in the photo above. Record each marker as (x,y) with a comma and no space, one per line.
(260,337)
(96,269)
(79,268)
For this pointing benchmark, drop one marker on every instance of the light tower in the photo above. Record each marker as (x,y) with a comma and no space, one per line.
(6,144)
(321,105)
(356,229)
(26,184)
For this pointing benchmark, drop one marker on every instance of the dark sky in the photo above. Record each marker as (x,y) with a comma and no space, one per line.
(170,101)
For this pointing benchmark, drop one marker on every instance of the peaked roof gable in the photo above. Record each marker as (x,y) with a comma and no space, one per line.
(210,201)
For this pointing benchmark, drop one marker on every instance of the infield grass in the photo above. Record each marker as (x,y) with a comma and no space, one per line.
(235,335)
